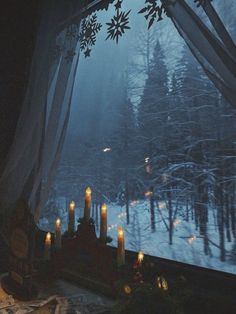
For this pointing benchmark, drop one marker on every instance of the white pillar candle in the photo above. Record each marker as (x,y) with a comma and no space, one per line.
(58,234)
(103,223)
(87,203)
(71,217)
(121,247)
(47,247)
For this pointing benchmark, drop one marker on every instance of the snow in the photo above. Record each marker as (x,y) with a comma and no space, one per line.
(187,244)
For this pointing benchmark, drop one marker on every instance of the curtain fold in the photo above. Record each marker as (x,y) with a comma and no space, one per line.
(34,155)
(219,27)
(211,53)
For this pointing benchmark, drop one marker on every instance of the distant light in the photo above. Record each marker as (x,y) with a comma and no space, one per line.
(176,222)
(107,149)
(134,202)
(162,204)
(148,193)
(147,160)
(148,169)
(191,239)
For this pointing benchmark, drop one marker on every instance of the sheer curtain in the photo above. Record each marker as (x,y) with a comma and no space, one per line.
(215,54)
(42,125)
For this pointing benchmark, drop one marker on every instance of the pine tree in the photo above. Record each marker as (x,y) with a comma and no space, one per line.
(152,121)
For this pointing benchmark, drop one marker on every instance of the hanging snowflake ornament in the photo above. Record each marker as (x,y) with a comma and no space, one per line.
(119,23)
(152,11)
(90,28)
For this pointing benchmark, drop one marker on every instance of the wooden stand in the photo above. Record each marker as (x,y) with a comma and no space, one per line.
(19,281)
(17,290)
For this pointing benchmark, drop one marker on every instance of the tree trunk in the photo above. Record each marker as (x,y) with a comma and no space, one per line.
(232,214)
(170,209)
(227,218)
(152,210)
(127,198)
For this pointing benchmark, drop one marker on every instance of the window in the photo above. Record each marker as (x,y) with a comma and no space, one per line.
(155,141)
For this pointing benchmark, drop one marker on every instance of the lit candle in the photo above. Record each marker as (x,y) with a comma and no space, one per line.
(103,223)
(87,204)
(121,247)
(71,218)
(47,247)
(58,234)
(140,258)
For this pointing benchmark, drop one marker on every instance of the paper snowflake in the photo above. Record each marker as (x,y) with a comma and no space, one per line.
(87,36)
(119,23)
(152,11)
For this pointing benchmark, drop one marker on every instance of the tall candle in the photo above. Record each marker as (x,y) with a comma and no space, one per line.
(87,203)
(121,247)
(47,247)
(58,234)
(103,223)
(71,218)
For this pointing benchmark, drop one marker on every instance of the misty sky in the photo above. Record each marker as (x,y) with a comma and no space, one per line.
(109,60)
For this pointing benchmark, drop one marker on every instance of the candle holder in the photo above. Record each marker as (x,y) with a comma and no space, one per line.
(69,234)
(107,240)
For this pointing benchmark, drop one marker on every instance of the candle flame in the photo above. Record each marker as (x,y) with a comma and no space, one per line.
(72,205)
(127,289)
(104,208)
(140,257)
(162,283)
(48,236)
(58,222)
(88,191)
(120,232)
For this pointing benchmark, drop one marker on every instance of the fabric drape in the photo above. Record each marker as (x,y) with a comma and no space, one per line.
(43,121)
(213,54)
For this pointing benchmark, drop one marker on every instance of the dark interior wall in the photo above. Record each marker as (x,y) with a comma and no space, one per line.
(18,26)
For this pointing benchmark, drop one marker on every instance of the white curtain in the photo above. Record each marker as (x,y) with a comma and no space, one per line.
(34,155)
(215,54)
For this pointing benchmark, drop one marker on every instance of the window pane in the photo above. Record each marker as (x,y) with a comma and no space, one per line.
(154,140)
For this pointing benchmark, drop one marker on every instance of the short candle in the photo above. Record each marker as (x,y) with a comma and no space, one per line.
(47,247)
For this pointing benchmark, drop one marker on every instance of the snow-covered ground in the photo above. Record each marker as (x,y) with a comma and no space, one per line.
(187,243)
